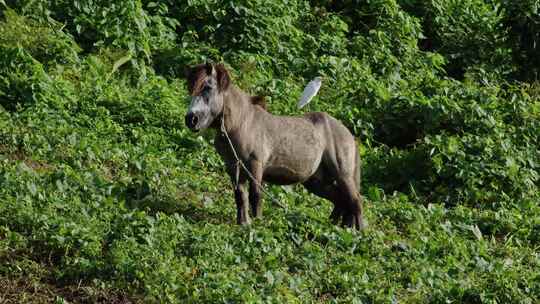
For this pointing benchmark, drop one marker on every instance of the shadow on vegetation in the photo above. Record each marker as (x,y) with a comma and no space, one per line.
(194,207)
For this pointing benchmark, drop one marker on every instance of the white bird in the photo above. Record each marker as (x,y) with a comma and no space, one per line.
(310,91)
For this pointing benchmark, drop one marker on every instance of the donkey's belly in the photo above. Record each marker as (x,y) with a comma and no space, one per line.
(291,170)
(284,176)
(294,152)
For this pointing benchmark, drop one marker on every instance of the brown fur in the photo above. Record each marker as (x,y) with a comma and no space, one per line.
(259,101)
(314,149)
(197,75)
(195,79)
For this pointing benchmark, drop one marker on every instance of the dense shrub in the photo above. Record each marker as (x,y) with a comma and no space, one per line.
(523,20)
(470,34)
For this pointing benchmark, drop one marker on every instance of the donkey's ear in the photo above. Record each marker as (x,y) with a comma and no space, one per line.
(223,77)
(209,68)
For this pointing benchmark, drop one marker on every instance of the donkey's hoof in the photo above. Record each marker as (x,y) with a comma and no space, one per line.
(336,216)
(244,222)
(348,221)
(355,222)
(361,224)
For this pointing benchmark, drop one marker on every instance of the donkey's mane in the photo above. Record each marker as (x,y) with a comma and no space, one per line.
(195,79)
(197,75)
(259,101)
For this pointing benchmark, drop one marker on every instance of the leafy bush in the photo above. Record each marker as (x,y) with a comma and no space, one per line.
(523,20)
(470,34)
(46,42)
(19,78)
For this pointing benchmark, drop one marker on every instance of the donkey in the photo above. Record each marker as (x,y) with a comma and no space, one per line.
(314,149)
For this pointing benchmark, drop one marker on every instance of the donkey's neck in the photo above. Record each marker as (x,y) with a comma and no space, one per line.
(237,109)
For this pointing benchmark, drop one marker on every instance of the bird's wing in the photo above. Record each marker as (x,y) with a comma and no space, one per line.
(309,92)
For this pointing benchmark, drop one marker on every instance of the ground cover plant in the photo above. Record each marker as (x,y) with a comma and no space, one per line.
(106,197)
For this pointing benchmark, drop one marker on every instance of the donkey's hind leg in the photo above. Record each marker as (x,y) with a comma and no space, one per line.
(329,191)
(337,213)
(353,204)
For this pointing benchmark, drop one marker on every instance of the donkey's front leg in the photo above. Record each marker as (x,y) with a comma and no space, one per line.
(255,184)
(241,198)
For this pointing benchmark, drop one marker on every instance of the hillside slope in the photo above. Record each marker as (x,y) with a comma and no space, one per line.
(106,197)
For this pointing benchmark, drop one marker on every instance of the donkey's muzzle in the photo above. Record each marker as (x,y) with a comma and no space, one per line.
(191,121)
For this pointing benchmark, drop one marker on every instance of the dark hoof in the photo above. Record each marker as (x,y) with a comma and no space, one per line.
(336,216)
(354,222)
(361,225)
(244,222)
(348,221)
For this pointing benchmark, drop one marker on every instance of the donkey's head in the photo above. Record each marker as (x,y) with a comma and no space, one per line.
(206,84)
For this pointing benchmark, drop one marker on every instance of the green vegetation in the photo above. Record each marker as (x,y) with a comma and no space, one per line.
(105,196)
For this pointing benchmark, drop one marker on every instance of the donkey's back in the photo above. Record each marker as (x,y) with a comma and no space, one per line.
(293,148)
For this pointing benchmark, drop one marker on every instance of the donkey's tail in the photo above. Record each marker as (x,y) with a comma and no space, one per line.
(357,176)
(357,168)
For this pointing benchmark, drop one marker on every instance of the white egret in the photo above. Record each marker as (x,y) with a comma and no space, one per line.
(310,91)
